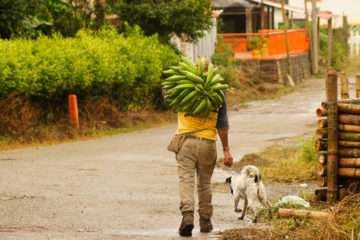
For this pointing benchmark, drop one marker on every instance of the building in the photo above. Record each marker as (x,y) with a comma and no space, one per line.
(250,16)
(354,41)
(252,28)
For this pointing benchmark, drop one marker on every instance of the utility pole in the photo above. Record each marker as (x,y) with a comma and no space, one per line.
(314,40)
(306,14)
(286,26)
(330,41)
(262,12)
(307,26)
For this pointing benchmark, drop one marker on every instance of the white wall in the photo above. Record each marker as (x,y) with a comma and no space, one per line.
(295,15)
(204,47)
(277,18)
(354,43)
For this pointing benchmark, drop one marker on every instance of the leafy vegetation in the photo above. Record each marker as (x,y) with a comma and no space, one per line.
(31,18)
(186,17)
(106,63)
(340,53)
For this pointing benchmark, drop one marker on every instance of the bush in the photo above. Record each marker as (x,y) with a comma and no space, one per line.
(340,51)
(127,68)
(224,55)
(308,152)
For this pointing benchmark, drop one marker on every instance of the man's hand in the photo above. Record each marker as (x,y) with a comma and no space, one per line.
(228,159)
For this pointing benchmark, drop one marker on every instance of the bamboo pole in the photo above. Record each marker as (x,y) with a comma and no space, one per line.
(349,119)
(348,136)
(349,101)
(349,162)
(321,133)
(332,162)
(322,172)
(320,193)
(349,128)
(350,144)
(357,86)
(321,112)
(323,182)
(321,123)
(349,108)
(349,153)
(349,172)
(330,42)
(322,159)
(321,145)
(344,86)
(288,213)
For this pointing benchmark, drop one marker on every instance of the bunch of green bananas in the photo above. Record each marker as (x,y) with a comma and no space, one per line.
(191,89)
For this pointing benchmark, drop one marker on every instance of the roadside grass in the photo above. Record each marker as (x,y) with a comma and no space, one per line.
(343,224)
(61,132)
(102,119)
(295,160)
(292,160)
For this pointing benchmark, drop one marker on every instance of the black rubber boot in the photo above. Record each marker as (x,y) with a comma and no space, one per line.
(187,225)
(205,225)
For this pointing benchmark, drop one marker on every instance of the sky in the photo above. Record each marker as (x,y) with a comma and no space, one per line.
(349,7)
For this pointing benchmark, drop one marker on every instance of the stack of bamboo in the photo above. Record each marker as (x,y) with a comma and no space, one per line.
(348,138)
(344,116)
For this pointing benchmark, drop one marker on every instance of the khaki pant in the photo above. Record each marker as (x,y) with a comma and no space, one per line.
(196,156)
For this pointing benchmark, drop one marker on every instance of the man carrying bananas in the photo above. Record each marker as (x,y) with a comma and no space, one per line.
(197,154)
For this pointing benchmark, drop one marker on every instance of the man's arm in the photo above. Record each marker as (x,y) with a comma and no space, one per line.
(223,131)
(228,159)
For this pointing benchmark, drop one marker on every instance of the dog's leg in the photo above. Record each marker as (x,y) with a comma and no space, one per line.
(236,203)
(256,212)
(245,208)
(262,196)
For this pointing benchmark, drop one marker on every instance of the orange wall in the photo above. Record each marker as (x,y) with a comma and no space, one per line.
(298,41)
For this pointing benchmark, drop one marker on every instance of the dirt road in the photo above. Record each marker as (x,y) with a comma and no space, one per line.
(125,187)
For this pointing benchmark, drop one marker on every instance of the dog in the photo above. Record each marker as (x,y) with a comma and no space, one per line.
(248,186)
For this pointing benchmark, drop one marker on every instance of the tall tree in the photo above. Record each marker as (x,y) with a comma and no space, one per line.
(28,18)
(12,15)
(182,17)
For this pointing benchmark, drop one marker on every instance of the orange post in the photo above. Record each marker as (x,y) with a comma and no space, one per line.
(73,110)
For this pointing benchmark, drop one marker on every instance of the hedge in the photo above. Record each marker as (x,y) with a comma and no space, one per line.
(126,67)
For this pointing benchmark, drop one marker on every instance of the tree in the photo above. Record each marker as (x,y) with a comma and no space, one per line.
(12,15)
(182,17)
(29,18)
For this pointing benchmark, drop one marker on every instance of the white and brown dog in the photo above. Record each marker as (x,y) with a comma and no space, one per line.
(248,186)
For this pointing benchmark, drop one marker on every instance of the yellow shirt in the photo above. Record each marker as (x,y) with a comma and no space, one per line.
(198,126)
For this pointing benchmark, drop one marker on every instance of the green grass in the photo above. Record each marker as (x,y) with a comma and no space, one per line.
(292,161)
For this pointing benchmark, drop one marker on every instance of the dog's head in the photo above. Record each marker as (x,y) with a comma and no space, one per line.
(253,172)
(228,181)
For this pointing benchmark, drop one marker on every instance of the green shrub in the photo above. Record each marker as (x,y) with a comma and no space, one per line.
(308,152)
(127,68)
(224,55)
(340,52)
